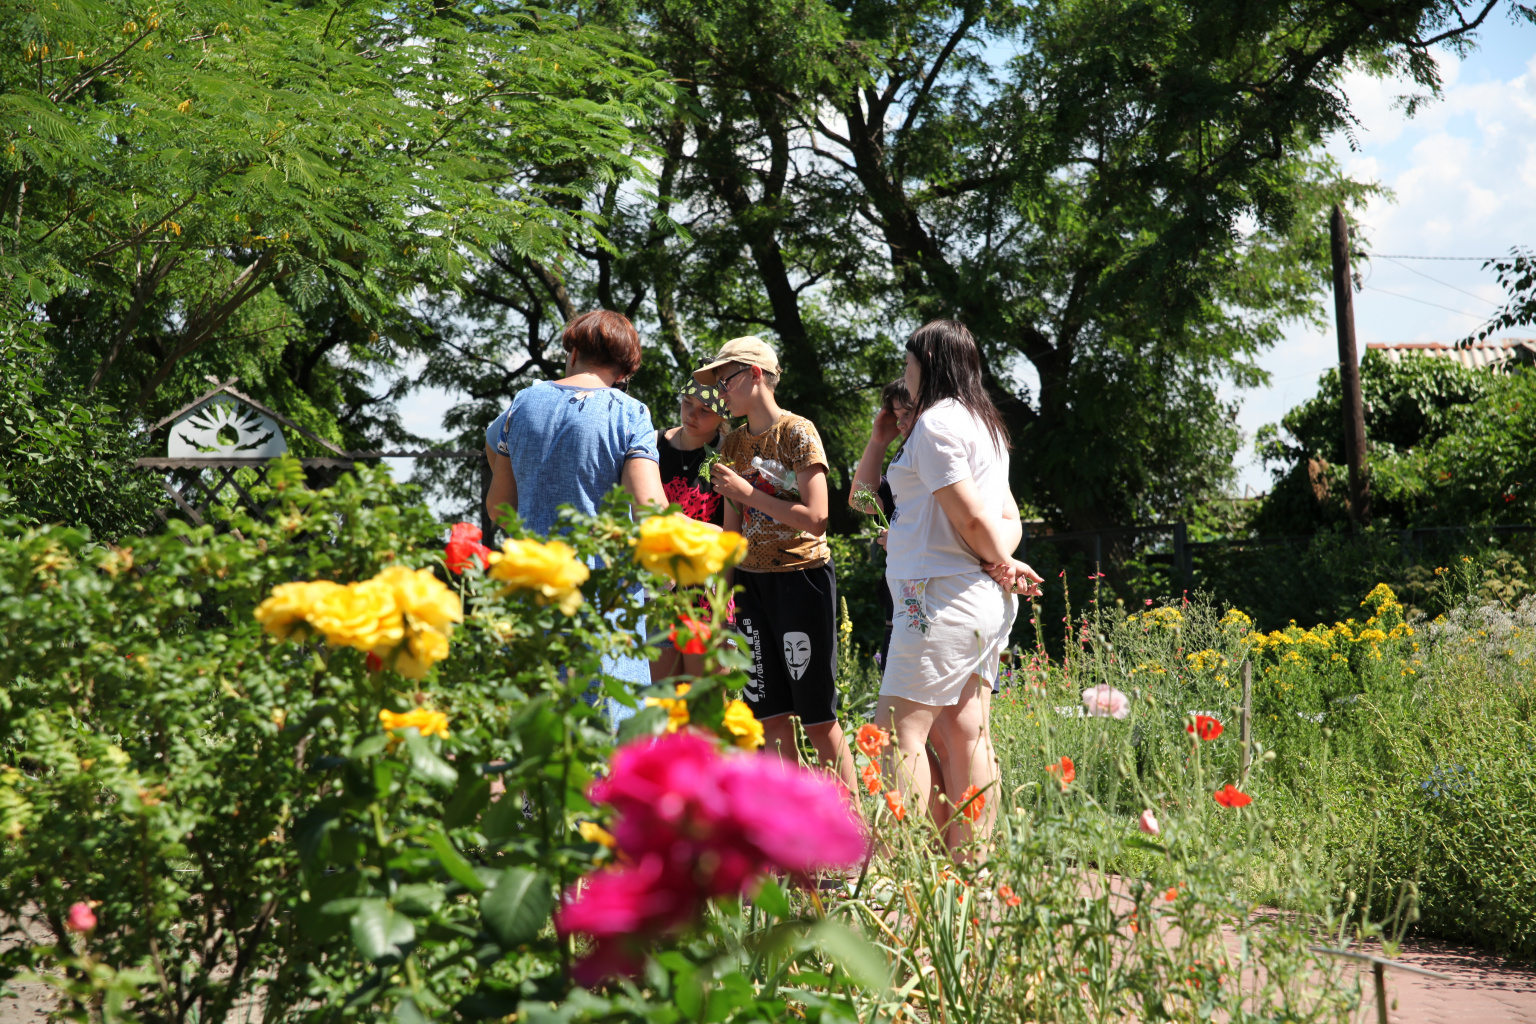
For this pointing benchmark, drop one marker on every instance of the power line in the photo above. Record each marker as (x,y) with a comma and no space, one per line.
(1471,259)
(1443,284)
(1423,302)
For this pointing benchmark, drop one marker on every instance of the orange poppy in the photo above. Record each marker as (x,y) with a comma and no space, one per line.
(1205,727)
(871,776)
(1230,796)
(893,801)
(972,802)
(871,739)
(1064,770)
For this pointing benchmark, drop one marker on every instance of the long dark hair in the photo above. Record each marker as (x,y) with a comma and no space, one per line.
(951,368)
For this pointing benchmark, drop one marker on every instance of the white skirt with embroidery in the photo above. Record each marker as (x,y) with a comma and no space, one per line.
(944,630)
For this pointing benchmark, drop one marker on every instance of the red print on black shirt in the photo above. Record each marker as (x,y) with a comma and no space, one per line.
(696,502)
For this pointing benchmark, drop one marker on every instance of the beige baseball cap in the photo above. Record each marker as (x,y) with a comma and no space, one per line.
(748,351)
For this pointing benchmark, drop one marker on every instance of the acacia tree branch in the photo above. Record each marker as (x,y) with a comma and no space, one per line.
(199,329)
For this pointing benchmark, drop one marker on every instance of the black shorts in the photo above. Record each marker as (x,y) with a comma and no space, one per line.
(789,622)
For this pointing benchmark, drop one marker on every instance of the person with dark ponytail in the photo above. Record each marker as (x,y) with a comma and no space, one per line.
(952,576)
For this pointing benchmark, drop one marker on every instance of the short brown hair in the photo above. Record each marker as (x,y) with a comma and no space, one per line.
(604,338)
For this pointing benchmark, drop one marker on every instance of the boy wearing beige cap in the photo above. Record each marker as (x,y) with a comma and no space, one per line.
(773,472)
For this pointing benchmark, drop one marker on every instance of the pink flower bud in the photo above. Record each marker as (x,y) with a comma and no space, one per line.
(80,919)
(1148,823)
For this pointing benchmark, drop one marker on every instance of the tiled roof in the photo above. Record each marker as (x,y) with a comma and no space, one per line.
(1477,356)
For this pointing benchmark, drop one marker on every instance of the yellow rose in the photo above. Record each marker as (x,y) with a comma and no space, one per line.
(686,549)
(592,832)
(424,597)
(424,720)
(677,707)
(287,610)
(743,724)
(423,649)
(549,568)
(361,615)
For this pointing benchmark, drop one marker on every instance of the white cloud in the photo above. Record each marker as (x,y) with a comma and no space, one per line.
(1463,172)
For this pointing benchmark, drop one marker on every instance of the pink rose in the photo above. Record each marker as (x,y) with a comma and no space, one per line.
(80,919)
(1106,701)
(694,823)
(1148,823)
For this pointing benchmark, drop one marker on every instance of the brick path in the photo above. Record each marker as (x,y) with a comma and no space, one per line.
(1484,989)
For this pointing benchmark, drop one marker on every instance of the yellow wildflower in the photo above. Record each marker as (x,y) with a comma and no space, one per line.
(677,707)
(1235,617)
(548,568)
(743,724)
(685,549)
(592,832)
(424,720)
(1200,660)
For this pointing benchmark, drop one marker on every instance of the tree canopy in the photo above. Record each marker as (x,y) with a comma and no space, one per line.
(341,203)
(262,188)
(1124,200)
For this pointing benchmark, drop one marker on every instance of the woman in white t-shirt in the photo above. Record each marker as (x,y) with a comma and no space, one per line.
(955,518)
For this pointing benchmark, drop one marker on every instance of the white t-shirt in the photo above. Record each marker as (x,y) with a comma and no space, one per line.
(947,445)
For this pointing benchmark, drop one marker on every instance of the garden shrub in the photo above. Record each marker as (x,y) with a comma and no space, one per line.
(273,818)
(1392,757)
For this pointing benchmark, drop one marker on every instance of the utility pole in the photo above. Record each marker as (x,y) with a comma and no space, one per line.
(1349,371)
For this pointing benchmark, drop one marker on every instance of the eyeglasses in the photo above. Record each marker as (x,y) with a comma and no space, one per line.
(622,385)
(724,383)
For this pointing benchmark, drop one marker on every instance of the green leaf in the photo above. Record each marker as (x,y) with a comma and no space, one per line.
(472,797)
(37,289)
(517,907)
(369,746)
(1143,843)
(426,763)
(772,899)
(645,722)
(380,932)
(853,953)
(407,1012)
(457,867)
(727,994)
(419,899)
(311,832)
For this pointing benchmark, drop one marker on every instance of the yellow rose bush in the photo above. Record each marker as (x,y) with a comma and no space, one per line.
(403,615)
(549,569)
(687,550)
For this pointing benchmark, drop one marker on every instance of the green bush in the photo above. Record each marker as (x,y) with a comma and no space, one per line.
(1395,758)
(251,834)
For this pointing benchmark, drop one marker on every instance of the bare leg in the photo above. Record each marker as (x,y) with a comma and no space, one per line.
(779,738)
(906,760)
(937,808)
(832,751)
(969,760)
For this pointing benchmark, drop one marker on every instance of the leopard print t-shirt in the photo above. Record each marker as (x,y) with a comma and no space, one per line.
(774,546)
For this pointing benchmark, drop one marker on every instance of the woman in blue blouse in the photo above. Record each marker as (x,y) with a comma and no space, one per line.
(569,441)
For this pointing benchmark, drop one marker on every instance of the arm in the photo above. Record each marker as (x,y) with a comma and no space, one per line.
(880,437)
(808,514)
(994,538)
(732,525)
(503,489)
(642,479)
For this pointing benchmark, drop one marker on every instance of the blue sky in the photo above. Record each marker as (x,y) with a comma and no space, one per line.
(1463,174)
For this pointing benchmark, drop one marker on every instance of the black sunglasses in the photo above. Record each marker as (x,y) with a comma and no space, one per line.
(723,383)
